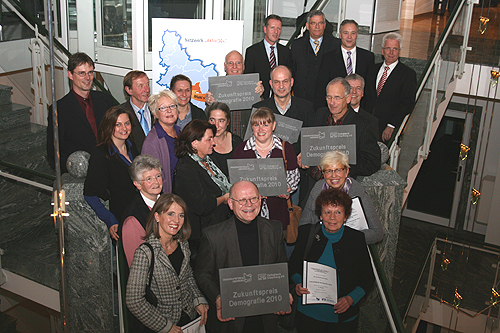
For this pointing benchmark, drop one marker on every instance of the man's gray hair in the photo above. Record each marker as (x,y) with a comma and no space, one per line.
(354,77)
(394,36)
(347,86)
(141,164)
(315,13)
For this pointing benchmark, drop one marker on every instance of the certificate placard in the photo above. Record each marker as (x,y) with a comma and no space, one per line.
(321,281)
(287,128)
(193,327)
(316,141)
(267,173)
(357,219)
(254,290)
(237,91)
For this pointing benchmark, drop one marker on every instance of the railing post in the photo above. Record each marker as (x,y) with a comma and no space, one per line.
(464,48)
(39,84)
(424,151)
(428,288)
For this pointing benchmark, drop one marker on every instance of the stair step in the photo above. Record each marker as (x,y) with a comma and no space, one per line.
(7,323)
(21,138)
(5,94)
(14,114)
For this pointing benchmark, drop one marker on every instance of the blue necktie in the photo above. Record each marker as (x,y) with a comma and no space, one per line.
(144,123)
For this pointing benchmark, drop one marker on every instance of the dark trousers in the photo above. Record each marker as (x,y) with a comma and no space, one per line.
(307,324)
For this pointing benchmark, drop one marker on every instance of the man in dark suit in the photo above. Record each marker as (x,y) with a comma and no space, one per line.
(307,54)
(79,113)
(283,103)
(348,59)
(136,86)
(233,243)
(391,87)
(182,87)
(263,56)
(338,112)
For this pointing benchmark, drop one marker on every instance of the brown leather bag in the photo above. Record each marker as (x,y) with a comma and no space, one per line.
(292,230)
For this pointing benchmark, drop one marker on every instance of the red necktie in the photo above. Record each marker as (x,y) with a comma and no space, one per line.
(272,61)
(382,80)
(89,113)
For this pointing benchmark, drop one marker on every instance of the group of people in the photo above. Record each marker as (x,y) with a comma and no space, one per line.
(162,164)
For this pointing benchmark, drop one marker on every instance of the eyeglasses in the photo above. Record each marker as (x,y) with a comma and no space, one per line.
(336,98)
(84,74)
(150,179)
(167,107)
(391,49)
(234,63)
(335,171)
(244,202)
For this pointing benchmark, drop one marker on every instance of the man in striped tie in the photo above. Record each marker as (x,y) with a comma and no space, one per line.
(390,89)
(265,55)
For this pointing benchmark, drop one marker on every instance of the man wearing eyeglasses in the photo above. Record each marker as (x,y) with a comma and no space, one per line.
(235,65)
(307,54)
(339,112)
(79,113)
(391,87)
(245,239)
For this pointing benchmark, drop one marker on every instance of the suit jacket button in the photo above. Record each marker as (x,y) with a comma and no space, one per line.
(178,287)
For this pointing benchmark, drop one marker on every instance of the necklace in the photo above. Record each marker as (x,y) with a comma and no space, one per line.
(262,148)
(167,246)
(225,137)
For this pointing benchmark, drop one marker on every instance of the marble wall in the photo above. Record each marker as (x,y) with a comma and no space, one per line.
(385,188)
(88,264)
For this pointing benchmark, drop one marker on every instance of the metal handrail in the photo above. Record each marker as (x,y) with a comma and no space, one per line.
(33,21)
(394,141)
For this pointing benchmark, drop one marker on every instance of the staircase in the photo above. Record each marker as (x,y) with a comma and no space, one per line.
(27,236)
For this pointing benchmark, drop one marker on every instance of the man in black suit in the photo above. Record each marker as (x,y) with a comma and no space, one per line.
(263,56)
(136,86)
(79,113)
(391,87)
(182,87)
(307,54)
(243,240)
(338,112)
(283,103)
(348,59)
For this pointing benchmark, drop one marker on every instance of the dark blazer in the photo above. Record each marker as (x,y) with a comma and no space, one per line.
(75,132)
(220,249)
(197,113)
(138,136)
(306,65)
(397,98)
(108,178)
(351,258)
(300,109)
(256,61)
(367,149)
(193,184)
(333,65)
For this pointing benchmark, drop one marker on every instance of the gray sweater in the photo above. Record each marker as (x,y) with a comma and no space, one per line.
(375,232)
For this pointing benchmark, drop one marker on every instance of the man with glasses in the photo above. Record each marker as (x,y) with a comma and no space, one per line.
(339,112)
(235,65)
(245,239)
(136,87)
(307,54)
(79,113)
(391,87)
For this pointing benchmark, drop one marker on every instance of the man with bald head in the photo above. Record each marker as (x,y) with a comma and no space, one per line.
(339,112)
(234,65)
(246,239)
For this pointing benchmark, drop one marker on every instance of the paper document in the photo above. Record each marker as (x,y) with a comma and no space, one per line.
(321,281)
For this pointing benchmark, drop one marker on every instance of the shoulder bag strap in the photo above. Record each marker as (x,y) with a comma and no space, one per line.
(152,265)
